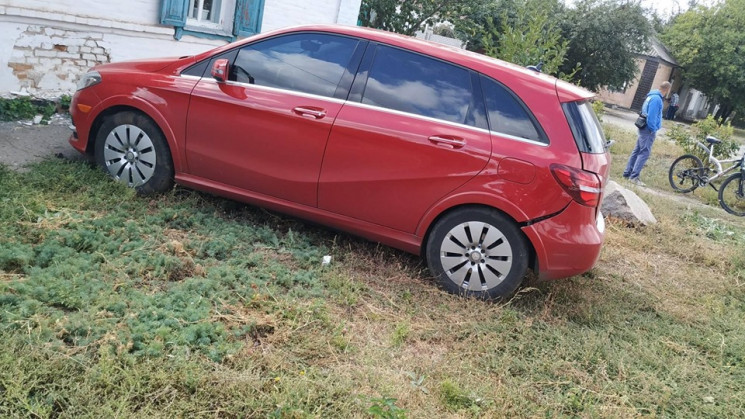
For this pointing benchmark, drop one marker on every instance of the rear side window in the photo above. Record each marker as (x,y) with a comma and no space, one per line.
(307,62)
(509,115)
(588,134)
(417,84)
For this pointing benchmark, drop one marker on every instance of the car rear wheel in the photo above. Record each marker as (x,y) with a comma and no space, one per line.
(478,252)
(131,148)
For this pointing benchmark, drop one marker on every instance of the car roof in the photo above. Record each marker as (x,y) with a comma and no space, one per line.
(484,64)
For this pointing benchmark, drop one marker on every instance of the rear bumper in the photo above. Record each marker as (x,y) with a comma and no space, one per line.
(568,244)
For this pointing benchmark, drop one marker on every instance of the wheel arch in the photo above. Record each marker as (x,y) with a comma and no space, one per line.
(151,114)
(532,257)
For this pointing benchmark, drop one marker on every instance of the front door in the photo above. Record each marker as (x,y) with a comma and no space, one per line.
(265,129)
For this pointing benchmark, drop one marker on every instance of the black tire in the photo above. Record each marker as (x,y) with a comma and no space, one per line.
(132,149)
(685,173)
(732,195)
(489,264)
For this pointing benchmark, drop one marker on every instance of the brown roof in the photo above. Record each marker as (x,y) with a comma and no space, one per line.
(659,51)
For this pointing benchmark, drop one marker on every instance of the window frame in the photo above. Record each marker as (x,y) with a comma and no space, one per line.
(579,129)
(194,23)
(240,18)
(343,87)
(359,85)
(543,138)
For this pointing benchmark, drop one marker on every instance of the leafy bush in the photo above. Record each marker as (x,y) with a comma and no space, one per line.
(687,138)
(599,108)
(25,108)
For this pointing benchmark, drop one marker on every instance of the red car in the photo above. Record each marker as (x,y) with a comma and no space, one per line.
(482,167)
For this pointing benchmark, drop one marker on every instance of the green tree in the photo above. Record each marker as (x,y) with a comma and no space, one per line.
(482,19)
(709,42)
(529,37)
(409,16)
(604,36)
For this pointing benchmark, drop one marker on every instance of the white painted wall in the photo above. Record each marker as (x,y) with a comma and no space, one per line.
(47,44)
(139,11)
(279,14)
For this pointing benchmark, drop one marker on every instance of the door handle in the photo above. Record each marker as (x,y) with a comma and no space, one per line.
(453,142)
(315,113)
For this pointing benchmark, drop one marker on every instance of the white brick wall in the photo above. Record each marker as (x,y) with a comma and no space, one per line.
(47,44)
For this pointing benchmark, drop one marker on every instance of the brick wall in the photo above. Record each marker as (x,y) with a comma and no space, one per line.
(45,58)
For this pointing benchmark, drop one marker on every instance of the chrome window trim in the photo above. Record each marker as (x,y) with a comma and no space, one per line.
(276,90)
(520,139)
(417,116)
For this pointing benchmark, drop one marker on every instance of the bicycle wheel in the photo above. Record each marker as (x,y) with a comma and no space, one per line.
(732,195)
(685,173)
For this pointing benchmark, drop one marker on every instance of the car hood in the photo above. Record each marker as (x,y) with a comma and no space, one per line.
(145,65)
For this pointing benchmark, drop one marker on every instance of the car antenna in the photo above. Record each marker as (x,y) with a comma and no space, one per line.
(536,68)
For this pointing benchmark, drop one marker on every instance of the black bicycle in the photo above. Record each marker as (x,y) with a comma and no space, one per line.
(688,173)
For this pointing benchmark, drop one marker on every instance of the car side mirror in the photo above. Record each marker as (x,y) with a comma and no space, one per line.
(220,70)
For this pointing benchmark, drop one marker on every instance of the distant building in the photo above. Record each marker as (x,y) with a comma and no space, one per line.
(47,44)
(654,67)
(429,34)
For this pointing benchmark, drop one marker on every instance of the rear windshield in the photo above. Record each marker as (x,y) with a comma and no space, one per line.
(588,134)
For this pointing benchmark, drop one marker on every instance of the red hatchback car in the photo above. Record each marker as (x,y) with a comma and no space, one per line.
(482,167)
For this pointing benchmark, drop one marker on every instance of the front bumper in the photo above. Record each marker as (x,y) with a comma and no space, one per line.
(81,112)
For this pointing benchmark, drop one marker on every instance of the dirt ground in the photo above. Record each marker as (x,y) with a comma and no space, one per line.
(21,144)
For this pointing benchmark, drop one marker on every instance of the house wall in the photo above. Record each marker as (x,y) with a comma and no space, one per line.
(47,44)
(625,98)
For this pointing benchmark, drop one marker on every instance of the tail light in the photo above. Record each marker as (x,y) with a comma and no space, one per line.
(583,187)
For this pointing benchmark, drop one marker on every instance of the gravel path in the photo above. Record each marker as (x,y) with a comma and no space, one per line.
(22,144)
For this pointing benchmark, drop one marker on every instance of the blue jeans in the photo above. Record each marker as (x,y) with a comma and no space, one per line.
(671,110)
(640,154)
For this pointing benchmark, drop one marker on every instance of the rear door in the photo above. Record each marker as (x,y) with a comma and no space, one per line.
(414,129)
(265,129)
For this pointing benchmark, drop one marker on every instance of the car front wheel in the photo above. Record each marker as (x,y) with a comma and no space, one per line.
(131,148)
(478,252)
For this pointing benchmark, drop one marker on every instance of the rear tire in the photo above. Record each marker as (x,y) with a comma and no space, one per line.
(731,195)
(685,173)
(477,252)
(131,148)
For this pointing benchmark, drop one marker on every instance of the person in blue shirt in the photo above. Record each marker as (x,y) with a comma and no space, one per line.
(653,109)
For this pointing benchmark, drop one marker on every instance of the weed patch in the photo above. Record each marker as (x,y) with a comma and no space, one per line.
(26,108)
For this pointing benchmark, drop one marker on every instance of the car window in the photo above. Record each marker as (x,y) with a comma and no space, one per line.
(507,114)
(413,83)
(308,62)
(588,134)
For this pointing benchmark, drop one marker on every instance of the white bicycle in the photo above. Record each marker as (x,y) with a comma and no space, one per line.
(688,173)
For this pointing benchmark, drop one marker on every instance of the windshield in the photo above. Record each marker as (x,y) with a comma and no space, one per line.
(588,134)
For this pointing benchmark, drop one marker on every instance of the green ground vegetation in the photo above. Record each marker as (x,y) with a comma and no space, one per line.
(26,108)
(187,305)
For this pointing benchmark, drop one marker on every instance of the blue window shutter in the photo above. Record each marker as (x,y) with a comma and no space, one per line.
(248,16)
(174,12)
